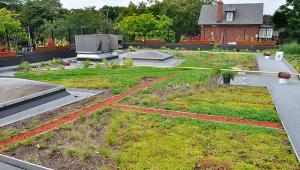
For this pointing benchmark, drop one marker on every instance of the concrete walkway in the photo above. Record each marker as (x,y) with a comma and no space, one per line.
(286,97)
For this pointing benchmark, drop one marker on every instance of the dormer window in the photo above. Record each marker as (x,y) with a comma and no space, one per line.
(229,16)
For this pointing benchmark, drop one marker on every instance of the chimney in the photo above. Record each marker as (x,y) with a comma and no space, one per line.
(220,11)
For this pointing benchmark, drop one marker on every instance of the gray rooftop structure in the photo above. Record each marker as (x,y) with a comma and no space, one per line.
(244,14)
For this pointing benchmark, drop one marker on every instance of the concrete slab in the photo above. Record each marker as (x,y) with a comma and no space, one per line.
(147,55)
(75,96)
(13,88)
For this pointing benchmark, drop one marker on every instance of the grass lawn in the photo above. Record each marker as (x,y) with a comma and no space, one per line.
(295,62)
(113,139)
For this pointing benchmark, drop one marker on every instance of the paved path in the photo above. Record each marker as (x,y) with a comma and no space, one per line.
(286,97)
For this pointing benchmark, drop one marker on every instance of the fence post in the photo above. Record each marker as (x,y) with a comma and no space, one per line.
(52,34)
(69,35)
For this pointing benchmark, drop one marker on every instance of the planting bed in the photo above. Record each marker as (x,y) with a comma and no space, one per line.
(295,62)
(199,59)
(116,139)
(54,48)
(240,102)
(112,138)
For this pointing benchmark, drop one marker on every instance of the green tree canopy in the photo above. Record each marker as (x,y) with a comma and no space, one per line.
(36,12)
(9,21)
(75,20)
(147,26)
(288,16)
(184,13)
(11,4)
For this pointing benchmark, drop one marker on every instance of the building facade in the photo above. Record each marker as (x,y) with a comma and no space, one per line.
(232,23)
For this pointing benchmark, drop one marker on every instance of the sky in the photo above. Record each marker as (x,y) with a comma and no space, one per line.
(270,5)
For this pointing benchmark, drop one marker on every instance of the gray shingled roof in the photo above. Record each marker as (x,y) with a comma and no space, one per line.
(245,14)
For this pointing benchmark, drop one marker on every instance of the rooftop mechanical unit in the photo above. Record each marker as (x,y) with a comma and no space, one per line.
(97,46)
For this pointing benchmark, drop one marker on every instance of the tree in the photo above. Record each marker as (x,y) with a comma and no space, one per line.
(36,12)
(76,20)
(147,26)
(184,13)
(288,16)
(11,4)
(9,21)
(280,17)
(111,12)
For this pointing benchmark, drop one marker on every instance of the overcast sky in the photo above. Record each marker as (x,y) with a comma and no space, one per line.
(270,5)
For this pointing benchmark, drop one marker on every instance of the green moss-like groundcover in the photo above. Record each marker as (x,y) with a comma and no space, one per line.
(160,142)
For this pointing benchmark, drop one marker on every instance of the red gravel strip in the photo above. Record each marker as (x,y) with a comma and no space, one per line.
(74,116)
(276,125)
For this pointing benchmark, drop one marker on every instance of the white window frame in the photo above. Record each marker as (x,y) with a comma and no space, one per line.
(229,16)
(266,33)
(270,33)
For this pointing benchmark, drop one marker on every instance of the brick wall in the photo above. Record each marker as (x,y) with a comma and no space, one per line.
(224,34)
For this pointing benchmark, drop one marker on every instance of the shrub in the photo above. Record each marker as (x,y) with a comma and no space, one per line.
(106,63)
(27,142)
(25,66)
(11,148)
(128,63)
(48,135)
(216,70)
(74,136)
(42,145)
(55,62)
(229,74)
(105,152)
(291,48)
(98,66)
(131,48)
(86,64)
(82,117)
(86,154)
(115,65)
(54,148)
(70,152)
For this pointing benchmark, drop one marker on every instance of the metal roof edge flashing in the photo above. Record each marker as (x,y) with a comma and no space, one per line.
(21,164)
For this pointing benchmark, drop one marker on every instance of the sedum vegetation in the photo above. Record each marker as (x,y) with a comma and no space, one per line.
(159,142)
(202,59)
(240,102)
(119,79)
(130,140)
(295,62)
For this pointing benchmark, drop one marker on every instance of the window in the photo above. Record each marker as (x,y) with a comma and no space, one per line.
(270,33)
(229,16)
(266,33)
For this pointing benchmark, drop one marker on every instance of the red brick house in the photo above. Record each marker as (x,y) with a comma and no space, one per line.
(230,23)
